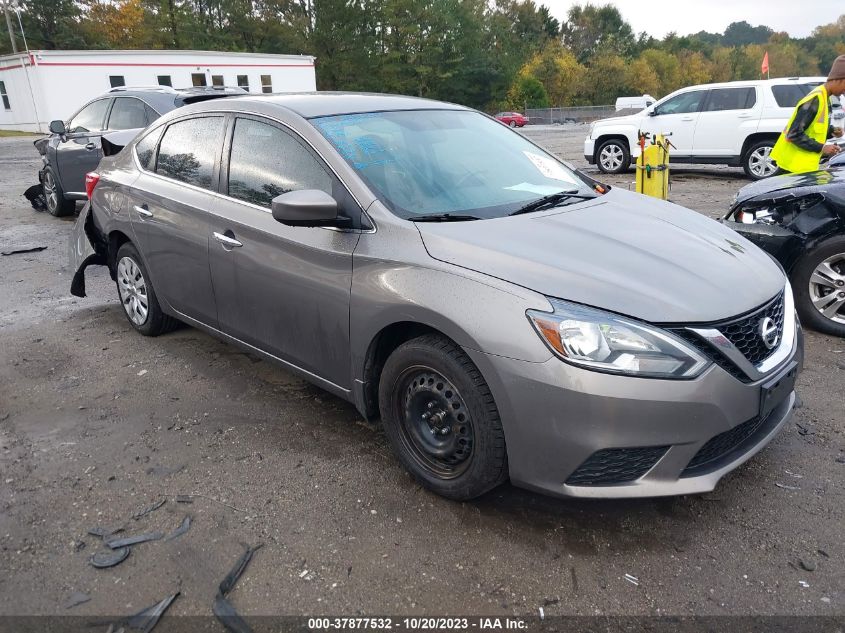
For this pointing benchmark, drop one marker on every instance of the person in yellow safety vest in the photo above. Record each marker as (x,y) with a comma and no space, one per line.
(802,144)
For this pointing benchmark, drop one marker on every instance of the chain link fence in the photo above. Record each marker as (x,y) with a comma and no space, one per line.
(582,114)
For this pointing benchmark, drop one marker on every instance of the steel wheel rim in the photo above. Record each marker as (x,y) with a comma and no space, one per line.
(435,425)
(760,162)
(611,157)
(49,186)
(133,290)
(827,288)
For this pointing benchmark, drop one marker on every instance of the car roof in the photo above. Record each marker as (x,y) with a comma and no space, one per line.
(758,82)
(318,104)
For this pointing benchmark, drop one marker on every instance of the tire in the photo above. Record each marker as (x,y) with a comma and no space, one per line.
(756,162)
(807,289)
(613,156)
(137,295)
(512,124)
(54,195)
(431,376)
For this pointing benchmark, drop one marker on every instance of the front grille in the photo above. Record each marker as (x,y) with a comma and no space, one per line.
(613,466)
(721,445)
(743,333)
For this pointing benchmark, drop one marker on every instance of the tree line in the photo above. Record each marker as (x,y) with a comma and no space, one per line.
(504,54)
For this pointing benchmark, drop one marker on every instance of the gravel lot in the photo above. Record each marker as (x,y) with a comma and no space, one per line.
(97,423)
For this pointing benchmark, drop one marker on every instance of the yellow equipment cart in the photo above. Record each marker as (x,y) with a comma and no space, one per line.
(653,166)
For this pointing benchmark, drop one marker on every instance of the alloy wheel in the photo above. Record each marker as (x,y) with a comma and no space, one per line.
(611,157)
(760,162)
(435,422)
(827,288)
(133,290)
(50,194)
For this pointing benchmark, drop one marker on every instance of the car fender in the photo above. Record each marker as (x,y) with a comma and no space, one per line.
(627,129)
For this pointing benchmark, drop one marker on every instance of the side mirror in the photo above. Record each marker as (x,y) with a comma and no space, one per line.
(652,112)
(58,127)
(305,207)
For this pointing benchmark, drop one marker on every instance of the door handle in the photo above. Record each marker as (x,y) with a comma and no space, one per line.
(744,116)
(227,241)
(686,118)
(90,146)
(143,211)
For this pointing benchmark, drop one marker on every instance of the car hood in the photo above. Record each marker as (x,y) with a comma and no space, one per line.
(809,182)
(622,252)
(633,119)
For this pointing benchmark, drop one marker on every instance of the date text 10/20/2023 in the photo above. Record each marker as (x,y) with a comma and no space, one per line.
(415,624)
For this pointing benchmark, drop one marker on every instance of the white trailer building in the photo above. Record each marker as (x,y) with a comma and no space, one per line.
(37,87)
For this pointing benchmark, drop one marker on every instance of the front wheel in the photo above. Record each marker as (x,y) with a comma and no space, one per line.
(512,124)
(758,163)
(613,157)
(441,420)
(818,280)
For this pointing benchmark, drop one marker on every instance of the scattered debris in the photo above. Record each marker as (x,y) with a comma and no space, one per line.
(785,487)
(542,614)
(804,430)
(186,524)
(807,565)
(792,474)
(632,579)
(303,573)
(184,499)
(145,620)
(804,584)
(104,532)
(23,249)
(142,372)
(840,459)
(152,508)
(823,553)
(35,195)
(134,540)
(167,470)
(75,599)
(550,601)
(101,560)
(221,607)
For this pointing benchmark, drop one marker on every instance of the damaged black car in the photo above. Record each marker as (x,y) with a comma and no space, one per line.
(800,220)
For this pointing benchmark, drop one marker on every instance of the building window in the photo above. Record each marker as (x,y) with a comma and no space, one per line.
(243,82)
(266,83)
(198,80)
(4,96)
(217,80)
(116,81)
(164,80)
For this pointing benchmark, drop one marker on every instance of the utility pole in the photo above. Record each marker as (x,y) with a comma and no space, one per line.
(9,26)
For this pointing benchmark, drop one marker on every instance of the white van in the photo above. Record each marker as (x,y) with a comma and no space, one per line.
(734,123)
(634,103)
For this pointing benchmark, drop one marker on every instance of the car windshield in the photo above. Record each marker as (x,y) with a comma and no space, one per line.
(425,162)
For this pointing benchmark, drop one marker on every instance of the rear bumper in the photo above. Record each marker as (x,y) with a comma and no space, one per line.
(560,419)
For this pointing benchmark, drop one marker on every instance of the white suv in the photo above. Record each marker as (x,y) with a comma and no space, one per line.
(734,123)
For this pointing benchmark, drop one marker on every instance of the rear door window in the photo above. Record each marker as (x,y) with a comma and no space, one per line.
(266,161)
(189,150)
(127,114)
(722,99)
(91,118)
(788,95)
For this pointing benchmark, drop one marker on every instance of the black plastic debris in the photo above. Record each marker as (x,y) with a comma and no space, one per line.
(35,195)
(134,540)
(75,599)
(184,499)
(101,560)
(186,524)
(146,511)
(14,250)
(104,532)
(221,607)
(145,620)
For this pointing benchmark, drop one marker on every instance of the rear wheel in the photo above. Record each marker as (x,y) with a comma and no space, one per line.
(758,163)
(613,157)
(441,420)
(512,123)
(818,281)
(54,196)
(137,295)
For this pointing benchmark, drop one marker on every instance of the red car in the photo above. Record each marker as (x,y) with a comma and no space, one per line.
(514,119)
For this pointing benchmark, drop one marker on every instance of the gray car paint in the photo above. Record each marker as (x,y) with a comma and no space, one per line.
(383,276)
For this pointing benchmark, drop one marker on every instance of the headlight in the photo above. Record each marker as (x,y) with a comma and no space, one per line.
(606,342)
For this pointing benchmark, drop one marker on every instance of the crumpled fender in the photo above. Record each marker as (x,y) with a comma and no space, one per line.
(88,247)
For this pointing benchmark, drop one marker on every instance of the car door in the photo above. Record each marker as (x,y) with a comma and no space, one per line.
(169,206)
(678,116)
(282,289)
(728,117)
(79,150)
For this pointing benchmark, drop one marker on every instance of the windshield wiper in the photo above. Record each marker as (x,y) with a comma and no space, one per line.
(550,200)
(443,217)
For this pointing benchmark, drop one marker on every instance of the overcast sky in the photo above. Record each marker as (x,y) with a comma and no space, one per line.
(659,17)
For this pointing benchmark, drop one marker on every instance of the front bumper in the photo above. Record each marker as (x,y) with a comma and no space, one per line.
(590,151)
(557,417)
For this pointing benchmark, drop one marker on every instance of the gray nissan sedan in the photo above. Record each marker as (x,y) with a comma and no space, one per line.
(505,315)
